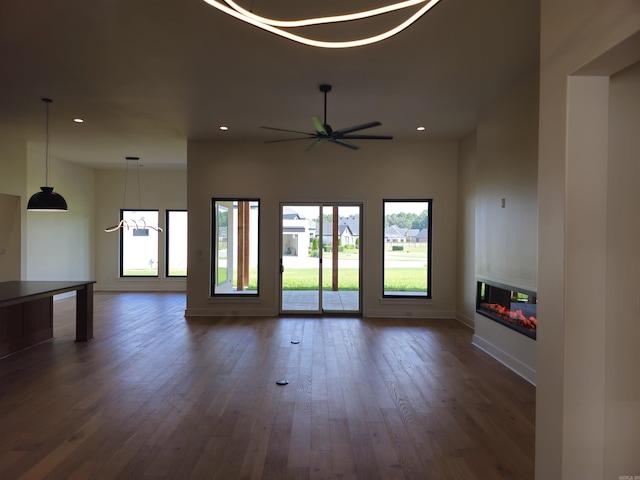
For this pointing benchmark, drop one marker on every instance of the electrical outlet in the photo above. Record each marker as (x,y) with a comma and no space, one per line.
(503,202)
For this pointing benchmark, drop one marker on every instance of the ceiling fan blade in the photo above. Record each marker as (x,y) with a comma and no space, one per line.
(289,139)
(290,131)
(355,128)
(315,144)
(318,125)
(367,137)
(344,144)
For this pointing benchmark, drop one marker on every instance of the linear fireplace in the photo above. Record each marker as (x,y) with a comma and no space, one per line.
(509,306)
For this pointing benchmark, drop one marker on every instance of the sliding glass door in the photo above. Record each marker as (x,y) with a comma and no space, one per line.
(320,258)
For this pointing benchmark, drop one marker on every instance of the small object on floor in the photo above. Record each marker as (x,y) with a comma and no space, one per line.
(295,342)
(282,382)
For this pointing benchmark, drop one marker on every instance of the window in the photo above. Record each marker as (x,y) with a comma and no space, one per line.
(407,248)
(139,243)
(176,237)
(234,268)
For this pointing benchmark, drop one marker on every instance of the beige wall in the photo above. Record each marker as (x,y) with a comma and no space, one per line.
(622,353)
(576,386)
(507,152)
(10,237)
(13,181)
(500,244)
(284,172)
(466,240)
(60,245)
(159,189)
(53,246)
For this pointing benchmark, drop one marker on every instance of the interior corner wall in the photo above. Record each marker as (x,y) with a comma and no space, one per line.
(466,268)
(285,172)
(505,223)
(60,245)
(575,34)
(506,187)
(161,189)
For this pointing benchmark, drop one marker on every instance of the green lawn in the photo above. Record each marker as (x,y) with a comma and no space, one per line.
(153,273)
(397,279)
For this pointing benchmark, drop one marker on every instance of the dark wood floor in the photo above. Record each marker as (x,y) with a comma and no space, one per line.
(156,396)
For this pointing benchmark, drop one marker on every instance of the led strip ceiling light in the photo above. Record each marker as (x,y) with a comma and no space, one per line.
(276,26)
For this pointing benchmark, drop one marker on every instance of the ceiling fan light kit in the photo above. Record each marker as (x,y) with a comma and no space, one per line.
(324,132)
(278,26)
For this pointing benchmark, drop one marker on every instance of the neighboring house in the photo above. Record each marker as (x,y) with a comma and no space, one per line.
(423,236)
(412,235)
(394,234)
(345,235)
(353,224)
(297,234)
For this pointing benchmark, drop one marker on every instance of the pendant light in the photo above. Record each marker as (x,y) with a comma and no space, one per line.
(47,200)
(130,223)
(283,27)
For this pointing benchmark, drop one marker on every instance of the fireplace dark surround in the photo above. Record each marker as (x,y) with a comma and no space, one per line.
(511,307)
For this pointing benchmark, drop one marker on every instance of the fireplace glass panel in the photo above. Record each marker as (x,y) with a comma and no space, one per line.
(511,307)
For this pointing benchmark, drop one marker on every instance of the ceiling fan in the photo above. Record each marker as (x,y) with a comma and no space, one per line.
(324,132)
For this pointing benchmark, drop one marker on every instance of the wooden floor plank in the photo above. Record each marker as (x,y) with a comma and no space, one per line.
(157,396)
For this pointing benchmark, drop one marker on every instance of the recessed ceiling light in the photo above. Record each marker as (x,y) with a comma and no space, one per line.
(421,129)
(78,120)
(224,128)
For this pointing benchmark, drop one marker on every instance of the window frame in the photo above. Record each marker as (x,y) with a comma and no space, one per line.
(214,247)
(121,253)
(429,287)
(167,243)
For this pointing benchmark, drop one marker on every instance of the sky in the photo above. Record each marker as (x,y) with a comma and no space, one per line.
(391,207)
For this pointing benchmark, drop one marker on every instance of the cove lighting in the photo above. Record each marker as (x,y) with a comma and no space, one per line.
(276,26)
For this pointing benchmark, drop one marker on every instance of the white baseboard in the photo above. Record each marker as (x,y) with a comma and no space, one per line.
(512,363)
(465,320)
(205,312)
(407,313)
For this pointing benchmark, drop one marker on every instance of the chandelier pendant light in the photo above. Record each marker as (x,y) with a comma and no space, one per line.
(130,223)
(279,27)
(46,200)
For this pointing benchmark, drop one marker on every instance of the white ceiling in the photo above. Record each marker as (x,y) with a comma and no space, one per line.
(146,75)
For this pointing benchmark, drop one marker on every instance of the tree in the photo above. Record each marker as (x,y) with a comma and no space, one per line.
(407,220)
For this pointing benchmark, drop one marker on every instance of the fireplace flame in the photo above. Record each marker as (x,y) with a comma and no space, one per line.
(516,317)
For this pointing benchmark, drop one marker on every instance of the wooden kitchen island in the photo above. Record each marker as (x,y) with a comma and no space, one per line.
(26,312)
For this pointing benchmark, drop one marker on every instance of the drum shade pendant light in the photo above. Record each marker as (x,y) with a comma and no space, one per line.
(47,200)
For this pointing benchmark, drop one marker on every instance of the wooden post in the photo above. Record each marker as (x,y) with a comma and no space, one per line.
(334,250)
(247,251)
(241,254)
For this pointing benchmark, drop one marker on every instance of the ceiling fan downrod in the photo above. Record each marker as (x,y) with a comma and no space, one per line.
(325,88)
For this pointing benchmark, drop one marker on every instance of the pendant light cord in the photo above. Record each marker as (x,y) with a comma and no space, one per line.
(138,177)
(124,193)
(126,178)
(325,108)
(47,101)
